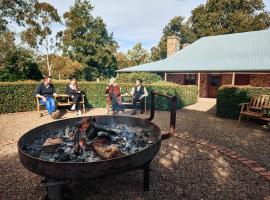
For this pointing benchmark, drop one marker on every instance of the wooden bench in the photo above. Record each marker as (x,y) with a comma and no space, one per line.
(61,100)
(128,101)
(258,107)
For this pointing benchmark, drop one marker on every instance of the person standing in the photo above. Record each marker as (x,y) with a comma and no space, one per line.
(45,91)
(113,92)
(73,91)
(138,93)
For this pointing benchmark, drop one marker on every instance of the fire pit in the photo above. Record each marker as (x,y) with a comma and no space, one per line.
(94,166)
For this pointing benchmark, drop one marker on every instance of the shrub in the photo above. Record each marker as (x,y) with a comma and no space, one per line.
(19,96)
(145,76)
(229,97)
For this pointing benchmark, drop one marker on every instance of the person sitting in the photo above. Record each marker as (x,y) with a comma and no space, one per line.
(113,93)
(45,91)
(75,94)
(138,93)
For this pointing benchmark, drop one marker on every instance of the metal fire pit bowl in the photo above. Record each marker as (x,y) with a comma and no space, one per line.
(79,170)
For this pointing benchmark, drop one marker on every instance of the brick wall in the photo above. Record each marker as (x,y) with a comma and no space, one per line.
(204,85)
(226,79)
(176,78)
(259,80)
(173,45)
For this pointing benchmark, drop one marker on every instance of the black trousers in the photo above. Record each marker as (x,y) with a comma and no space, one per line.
(142,101)
(77,99)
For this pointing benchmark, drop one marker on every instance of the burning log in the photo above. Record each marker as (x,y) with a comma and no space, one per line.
(104,151)
(51,144)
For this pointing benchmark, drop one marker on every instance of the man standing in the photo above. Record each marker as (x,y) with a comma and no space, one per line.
(138,93)
(45,91)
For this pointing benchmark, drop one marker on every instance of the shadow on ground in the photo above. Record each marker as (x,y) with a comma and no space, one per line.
(181,170)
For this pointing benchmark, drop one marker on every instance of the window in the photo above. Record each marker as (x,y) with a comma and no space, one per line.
(242,79)
(190,79)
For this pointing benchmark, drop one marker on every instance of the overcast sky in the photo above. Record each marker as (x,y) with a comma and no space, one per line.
(133,21)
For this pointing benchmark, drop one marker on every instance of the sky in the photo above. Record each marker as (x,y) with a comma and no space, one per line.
(133,21)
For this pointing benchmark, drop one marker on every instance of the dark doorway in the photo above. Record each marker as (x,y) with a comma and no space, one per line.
(214,82)
(241,79)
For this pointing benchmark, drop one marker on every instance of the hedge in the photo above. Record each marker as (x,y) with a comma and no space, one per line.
(229,98)
(147,77)
(19,96)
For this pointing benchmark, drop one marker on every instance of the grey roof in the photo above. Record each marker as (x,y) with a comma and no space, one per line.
(238,52)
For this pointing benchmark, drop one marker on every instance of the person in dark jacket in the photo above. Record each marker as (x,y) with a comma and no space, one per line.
(75,94)
(45,91)
(138,93)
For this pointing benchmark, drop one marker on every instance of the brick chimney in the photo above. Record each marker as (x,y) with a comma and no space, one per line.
(173,45)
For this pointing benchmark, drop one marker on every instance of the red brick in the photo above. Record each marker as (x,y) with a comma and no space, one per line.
(266,173)
(259,169)
(242,159)
(267,177)
(234,156)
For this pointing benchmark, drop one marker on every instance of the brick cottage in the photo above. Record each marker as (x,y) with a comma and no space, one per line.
(210,62)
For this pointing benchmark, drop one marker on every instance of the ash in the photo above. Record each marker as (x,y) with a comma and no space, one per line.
(128,140)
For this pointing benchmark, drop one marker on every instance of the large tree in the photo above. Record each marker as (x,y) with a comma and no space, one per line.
(138,55)
(64,68)
(229,16)
(177,27)
(39,31)
(14,11)
(16,63)
(135,56)
(87,40)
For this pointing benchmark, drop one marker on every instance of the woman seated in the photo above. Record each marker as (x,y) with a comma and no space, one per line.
(113,93)
(75,94)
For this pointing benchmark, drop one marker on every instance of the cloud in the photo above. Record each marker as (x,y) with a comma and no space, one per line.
(133,21)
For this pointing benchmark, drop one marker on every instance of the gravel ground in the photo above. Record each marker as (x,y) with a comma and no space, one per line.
(181,170)
(250,139)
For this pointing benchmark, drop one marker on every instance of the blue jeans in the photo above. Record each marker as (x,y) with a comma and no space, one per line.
(50,104)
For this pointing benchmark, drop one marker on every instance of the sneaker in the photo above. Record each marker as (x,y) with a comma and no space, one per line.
(73,107)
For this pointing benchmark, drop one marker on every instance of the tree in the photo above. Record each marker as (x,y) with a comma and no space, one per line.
(64,67)
(223,17)
(87,40)
(138,55)
(176,27)
(122,60)
(16,63)
(14,11)
(38,34)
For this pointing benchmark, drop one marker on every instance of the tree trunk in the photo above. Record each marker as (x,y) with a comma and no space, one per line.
(59,77)
(47,54)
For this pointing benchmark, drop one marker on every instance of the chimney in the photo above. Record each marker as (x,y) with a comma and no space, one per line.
(173,45)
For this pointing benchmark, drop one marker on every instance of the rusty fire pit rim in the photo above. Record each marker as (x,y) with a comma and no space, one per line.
(159,139)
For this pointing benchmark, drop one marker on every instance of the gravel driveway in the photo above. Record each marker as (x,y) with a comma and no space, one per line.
(182,170)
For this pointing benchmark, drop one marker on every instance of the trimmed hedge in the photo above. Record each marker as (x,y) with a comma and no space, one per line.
(147,77)
(229,98)
(19,96)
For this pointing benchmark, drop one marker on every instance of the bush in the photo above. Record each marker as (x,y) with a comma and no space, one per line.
(229,98)
(19,96)
(131,77)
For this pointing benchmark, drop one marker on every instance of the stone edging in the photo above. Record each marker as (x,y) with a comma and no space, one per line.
(251,164)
